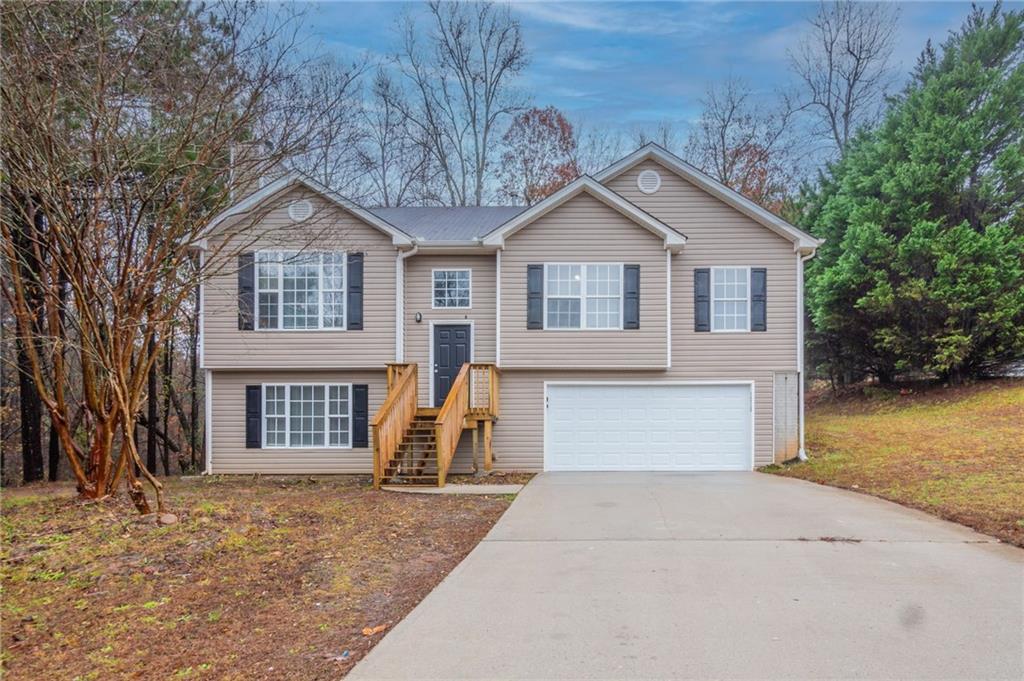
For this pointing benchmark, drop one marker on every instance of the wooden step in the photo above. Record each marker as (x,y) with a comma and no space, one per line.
(430,412)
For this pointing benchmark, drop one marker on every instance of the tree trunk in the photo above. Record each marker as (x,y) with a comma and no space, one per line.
(168,377)
(31,420)
(152,404)
(54,453)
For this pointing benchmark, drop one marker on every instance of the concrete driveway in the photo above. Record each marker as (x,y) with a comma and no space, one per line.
(724,575)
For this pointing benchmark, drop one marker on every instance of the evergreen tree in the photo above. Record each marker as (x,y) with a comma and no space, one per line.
(924,265)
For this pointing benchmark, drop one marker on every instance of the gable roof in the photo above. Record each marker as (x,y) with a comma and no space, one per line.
(296,178)
(673,239)
(461,223)
(801,240)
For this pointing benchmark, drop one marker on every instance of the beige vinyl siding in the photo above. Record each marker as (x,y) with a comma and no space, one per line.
(718,235)
(330,228)
(583,230)
(419,297)
(229,452)
(519,435)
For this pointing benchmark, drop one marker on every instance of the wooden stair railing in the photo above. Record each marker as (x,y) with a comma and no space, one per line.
(473,396)
(394,416)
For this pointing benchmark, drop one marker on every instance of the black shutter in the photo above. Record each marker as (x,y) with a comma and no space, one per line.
(758,299)
(360,415)
(354,304)
(702,299)
(246,290)
(535,296)
(631,296)
(253,417)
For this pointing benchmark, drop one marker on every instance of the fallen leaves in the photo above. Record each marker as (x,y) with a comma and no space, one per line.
(370,631)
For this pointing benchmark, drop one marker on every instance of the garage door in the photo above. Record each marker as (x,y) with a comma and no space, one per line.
(623,427)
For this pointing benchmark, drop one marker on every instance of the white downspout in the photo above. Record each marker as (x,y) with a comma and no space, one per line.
(400,301)
(800,313)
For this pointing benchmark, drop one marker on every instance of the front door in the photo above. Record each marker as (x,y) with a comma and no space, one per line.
(451,351)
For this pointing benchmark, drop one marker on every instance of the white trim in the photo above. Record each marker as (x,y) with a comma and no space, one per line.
(280,291)
(800,239)
(433,297)
(288,415)
(497,309)
(668,309)
(672,238)
(398,237)
(400,301)
(430,361)
(201,340)
(711,299)
(800,377)
(753,408)
(583,296)
(208,417)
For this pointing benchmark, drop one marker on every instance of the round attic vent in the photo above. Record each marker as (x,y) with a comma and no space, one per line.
(300,210)
(648,181)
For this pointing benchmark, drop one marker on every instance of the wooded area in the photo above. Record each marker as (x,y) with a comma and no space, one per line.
(121,121)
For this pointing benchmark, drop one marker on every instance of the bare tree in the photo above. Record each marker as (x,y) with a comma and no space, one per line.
(393,153)
(842,62)
(596,147)
(331,156)
(118,120)
(743,145)
(460,89)
(663,134)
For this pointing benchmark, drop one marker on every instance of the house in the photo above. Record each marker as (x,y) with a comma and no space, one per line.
(647,318)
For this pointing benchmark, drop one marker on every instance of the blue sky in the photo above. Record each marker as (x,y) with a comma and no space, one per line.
(634,64)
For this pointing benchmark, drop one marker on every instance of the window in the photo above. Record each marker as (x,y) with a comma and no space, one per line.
(298,416)
(730,299)
(300,290)
(584,296)
(451,288)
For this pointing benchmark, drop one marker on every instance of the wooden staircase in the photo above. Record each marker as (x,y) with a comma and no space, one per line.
(415,445)
(415,459)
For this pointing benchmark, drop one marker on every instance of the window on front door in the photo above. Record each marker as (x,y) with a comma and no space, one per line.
(452,289)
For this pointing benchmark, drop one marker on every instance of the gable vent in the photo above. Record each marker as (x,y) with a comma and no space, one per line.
(300,210)
(648,181)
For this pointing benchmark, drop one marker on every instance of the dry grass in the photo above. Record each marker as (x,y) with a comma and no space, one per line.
(957,453)
(267,579)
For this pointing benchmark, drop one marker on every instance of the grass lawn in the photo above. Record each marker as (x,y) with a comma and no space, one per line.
(957,453)
(273,578)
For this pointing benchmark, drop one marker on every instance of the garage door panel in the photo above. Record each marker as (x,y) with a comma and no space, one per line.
(659,427)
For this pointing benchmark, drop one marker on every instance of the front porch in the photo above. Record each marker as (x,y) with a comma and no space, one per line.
(414,444)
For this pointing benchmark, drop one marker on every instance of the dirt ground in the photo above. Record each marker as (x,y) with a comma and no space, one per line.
(957,453)
(275,578)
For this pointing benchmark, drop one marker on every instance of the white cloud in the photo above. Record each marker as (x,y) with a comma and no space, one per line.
(607,18)
(576,62)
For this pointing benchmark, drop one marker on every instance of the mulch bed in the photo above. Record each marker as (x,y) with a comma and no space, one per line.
(272,578)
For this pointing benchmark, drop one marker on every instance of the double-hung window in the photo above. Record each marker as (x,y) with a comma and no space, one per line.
(300,290)
(306,416)
(730,299)
(583,296)
(452,289)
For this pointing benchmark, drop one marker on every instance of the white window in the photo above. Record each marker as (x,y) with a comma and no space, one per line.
(730,299)
(300,290)
(452,288)
(304,416)
(583,296)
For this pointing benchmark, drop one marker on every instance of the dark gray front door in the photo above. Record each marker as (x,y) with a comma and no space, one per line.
(451,351)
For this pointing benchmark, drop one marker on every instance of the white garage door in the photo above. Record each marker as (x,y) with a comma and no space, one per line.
(647,428)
